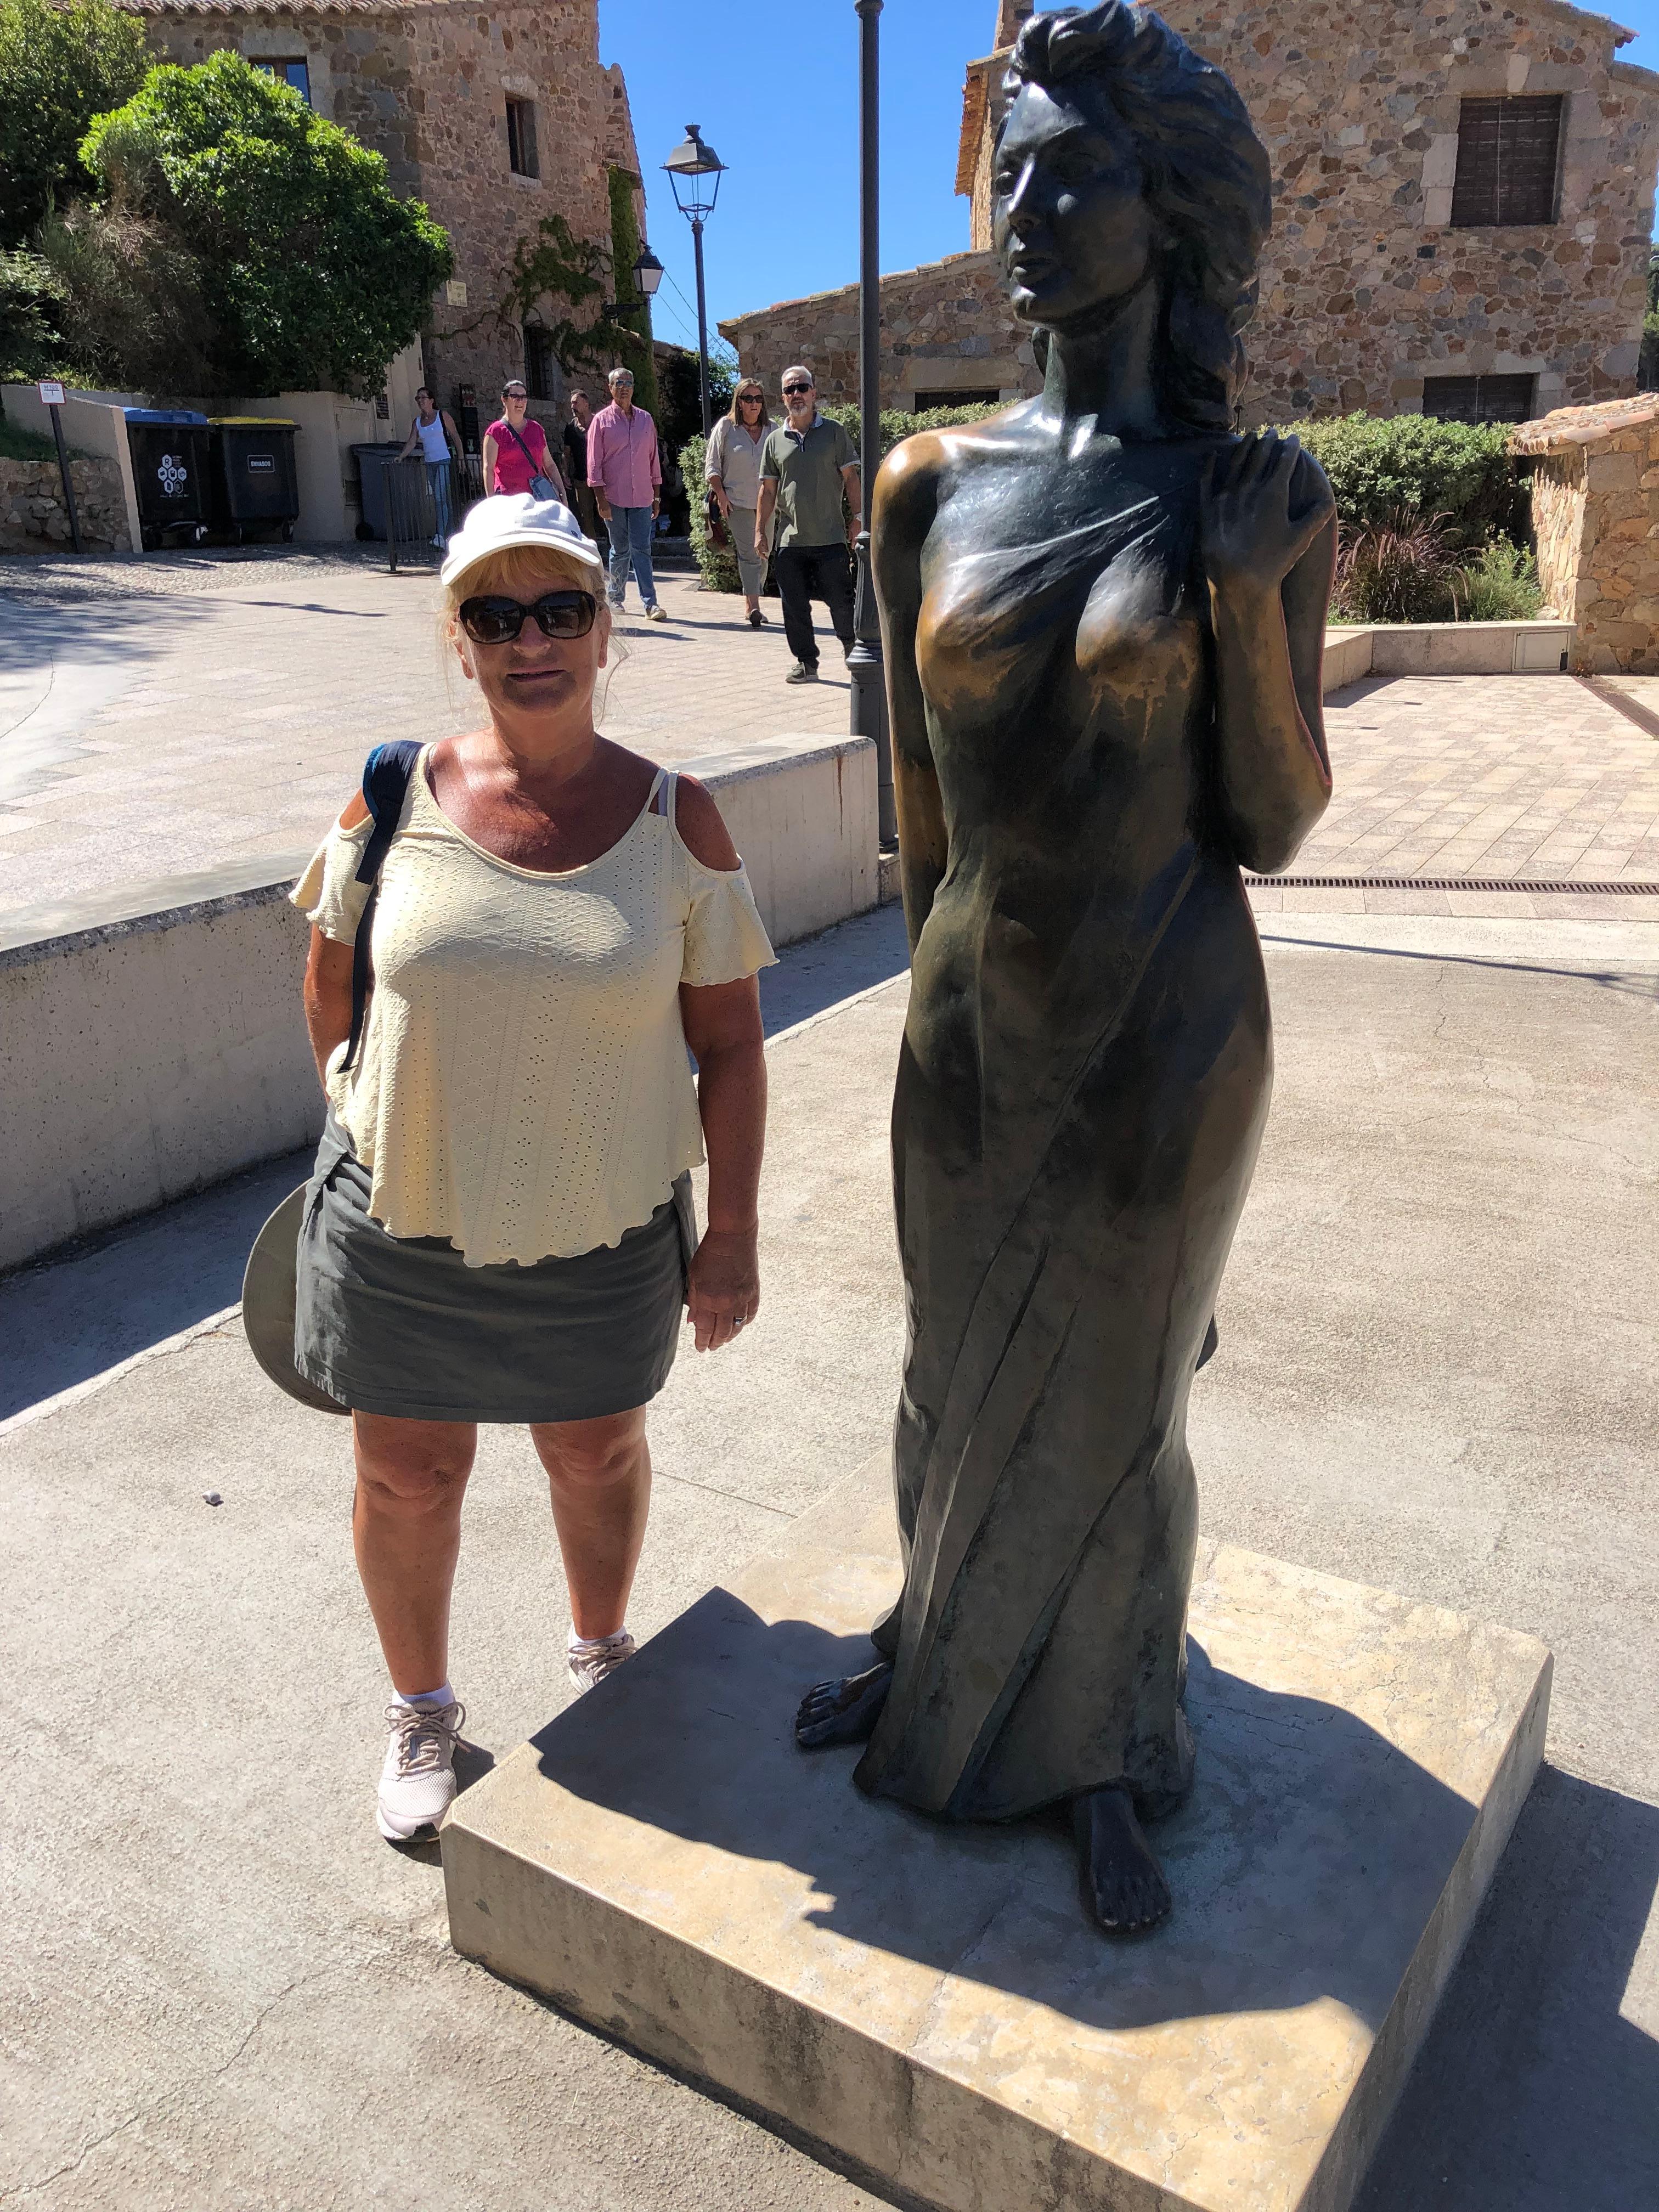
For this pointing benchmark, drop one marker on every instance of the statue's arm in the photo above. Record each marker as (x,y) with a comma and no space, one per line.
(901,512)
(1268,537)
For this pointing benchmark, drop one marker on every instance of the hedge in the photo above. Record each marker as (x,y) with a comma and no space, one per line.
(1386,468)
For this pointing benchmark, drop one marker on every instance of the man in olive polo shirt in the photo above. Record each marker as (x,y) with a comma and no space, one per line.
(808,466)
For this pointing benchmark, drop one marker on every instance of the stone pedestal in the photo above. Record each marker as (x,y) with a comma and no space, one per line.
(929,2002)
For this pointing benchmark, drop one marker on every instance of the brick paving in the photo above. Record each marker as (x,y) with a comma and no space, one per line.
(204,710)
(1482,775)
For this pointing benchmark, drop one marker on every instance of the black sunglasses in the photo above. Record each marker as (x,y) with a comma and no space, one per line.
(492,621)
(749,399)
(794,391)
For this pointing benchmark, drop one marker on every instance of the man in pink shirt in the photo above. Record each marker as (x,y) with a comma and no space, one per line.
(626,478)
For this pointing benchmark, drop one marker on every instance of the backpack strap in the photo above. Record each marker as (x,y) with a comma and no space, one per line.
(386,776)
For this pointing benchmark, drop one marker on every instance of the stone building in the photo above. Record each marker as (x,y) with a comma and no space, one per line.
(496,120)
(1463,198)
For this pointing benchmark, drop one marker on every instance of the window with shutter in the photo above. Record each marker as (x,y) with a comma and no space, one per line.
(1479,398)
(521,138)
(1507,154)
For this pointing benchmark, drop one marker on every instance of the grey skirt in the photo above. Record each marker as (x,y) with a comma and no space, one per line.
(402,1326)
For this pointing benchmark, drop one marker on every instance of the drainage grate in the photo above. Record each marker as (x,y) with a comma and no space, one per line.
(1619,889)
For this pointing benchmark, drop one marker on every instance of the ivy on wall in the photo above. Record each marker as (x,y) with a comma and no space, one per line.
(633,344)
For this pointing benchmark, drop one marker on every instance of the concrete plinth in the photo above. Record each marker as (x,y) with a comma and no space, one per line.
(929,2002)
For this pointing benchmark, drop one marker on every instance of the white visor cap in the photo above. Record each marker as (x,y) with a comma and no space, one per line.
(515,517)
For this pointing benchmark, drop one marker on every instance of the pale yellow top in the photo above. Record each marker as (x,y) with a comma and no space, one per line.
(523,1087)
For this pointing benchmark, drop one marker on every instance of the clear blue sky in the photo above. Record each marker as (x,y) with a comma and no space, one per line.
(788,218)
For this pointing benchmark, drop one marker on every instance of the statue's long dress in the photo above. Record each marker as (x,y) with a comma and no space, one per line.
(1084,1081)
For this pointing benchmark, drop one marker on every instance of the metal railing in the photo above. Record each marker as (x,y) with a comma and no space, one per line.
(424,507)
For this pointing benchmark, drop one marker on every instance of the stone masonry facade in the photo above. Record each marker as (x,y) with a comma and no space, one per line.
(1596,513)
(426,83)
(1366,287)
(33,517)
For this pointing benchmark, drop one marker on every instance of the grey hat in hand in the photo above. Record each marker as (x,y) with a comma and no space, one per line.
(268,1290)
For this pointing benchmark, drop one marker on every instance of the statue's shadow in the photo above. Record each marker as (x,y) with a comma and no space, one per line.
(1305,1866)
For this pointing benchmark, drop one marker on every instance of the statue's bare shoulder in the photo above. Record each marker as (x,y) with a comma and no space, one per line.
(913,478)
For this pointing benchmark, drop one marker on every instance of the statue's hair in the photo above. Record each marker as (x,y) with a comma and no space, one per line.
(1207,179)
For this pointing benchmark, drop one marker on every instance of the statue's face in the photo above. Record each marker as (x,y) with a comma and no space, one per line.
(1069,211)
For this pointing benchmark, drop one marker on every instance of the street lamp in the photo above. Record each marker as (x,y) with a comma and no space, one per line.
(695,172)
(648,274)
(863,663)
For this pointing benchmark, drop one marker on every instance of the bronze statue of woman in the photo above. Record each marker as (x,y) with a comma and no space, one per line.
(1105,615)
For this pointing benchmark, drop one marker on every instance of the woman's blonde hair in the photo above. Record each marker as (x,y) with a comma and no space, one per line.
(750,384)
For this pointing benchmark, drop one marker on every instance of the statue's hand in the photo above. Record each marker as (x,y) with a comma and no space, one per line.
(1260,506)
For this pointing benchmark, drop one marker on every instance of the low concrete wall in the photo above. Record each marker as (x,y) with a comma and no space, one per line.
(1495,648)
(152,1042)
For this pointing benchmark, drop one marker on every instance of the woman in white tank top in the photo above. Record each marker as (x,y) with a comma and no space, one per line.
(433,430)
(499,1227)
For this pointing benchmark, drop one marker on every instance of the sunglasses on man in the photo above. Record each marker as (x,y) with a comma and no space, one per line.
(493,621)
(794,391)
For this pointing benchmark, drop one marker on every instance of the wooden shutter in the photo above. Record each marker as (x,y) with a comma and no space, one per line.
(1507,153)
(1479,398)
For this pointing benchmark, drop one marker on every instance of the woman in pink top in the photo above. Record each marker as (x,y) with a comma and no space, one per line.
(515,454)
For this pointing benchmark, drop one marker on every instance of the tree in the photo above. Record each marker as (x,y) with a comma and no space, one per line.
(59,66)
(314,273)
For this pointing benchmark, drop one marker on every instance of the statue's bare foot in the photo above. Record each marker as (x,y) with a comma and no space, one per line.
(1122,1882)
(842,1713)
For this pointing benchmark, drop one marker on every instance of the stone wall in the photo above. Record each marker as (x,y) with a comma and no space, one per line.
(945,326)
(34,519)
(1595,511)
(425,84)
(1365,287)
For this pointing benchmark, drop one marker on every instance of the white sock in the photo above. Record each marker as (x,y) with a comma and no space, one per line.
(576,1643)
(443,1695)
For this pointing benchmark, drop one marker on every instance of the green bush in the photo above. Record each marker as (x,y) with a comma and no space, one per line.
(31,342)
(717,563)
(1384,468)
(314,273)
(1500,585)
(60,64)
(131,300)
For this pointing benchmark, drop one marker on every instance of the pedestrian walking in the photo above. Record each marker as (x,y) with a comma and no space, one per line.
(515,454)
(809,465)
(733,471)
(574,438)
(626,475)
(434,431)
(499,1228)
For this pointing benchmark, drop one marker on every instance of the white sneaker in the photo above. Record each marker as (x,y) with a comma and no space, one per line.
(417,1783)
(600,1658)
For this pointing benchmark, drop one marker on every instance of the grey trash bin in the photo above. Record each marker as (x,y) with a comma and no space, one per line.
(372,461)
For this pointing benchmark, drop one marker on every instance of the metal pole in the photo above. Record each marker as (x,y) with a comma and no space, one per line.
(863,663)
(703,322)
(64,470)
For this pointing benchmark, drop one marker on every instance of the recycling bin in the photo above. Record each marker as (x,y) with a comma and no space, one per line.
(254,484)
(169,449)
(372,461)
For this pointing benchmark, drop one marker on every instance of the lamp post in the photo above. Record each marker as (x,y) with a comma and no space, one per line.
(863,663)
(694,171)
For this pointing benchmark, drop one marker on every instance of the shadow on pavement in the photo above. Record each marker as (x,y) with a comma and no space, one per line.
(1534,2092)
(74,1316)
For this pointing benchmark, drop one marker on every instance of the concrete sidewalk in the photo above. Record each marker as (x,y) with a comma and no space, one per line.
(1436,1373)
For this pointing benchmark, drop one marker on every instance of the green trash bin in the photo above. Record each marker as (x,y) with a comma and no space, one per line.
(255,483)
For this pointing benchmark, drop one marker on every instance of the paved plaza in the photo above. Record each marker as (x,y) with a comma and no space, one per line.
(1437,1375)
(164,716)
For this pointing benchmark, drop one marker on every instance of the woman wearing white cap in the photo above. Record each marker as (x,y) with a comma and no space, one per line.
(499,1227)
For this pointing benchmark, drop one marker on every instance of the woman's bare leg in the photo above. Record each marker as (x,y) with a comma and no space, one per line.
(406,1526)
(599,1473)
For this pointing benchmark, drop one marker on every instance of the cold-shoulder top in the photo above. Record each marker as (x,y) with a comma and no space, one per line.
(523,1087)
